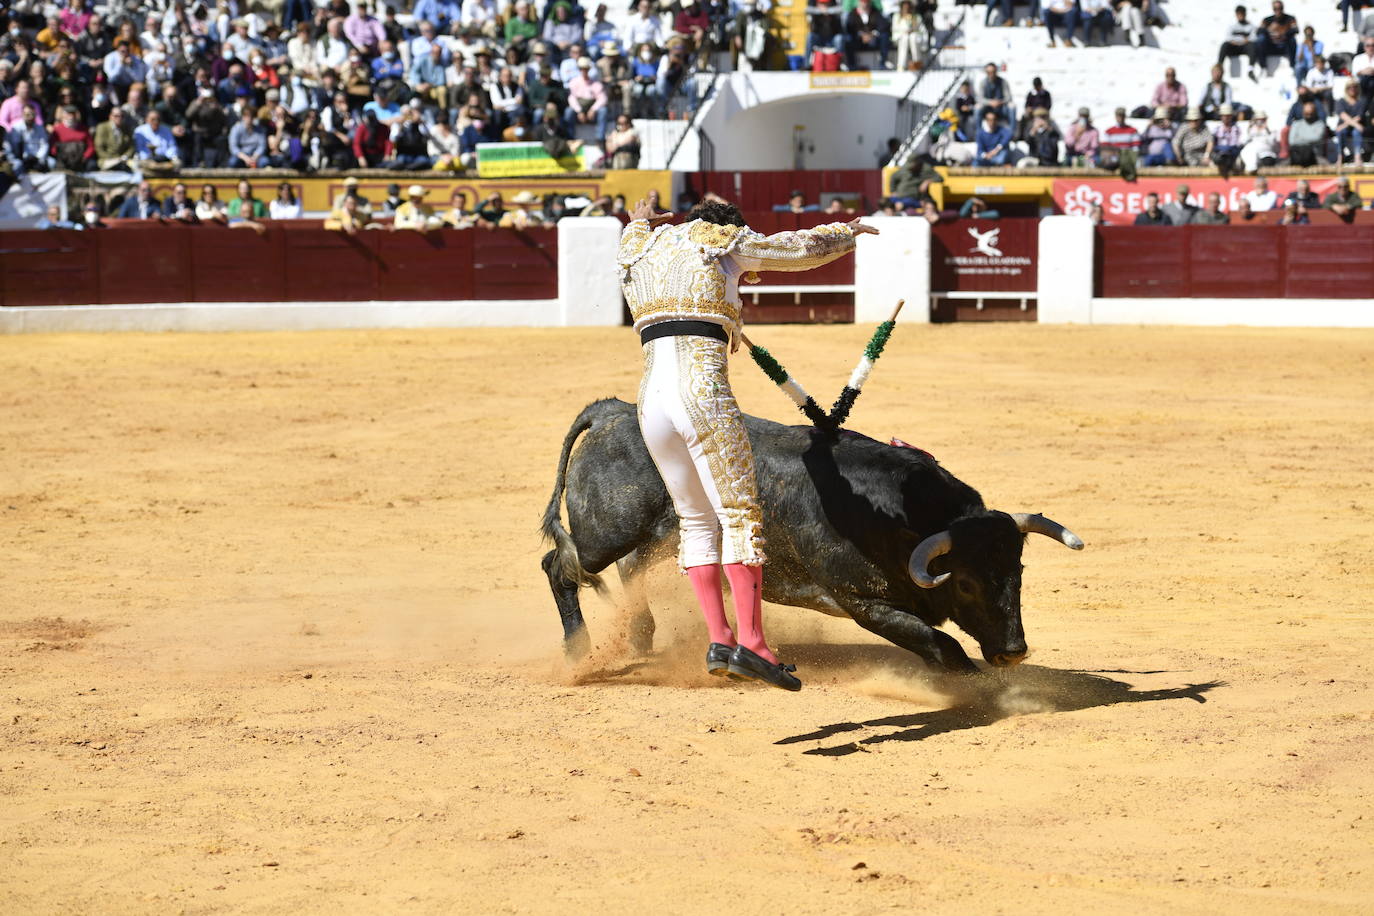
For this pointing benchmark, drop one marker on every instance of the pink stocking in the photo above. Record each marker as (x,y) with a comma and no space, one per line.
(706,583)
(746,583)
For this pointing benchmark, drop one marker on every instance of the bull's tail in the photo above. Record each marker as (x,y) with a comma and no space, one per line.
(569,564)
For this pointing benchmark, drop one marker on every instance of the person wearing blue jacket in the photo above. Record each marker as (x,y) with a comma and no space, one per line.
(994,138)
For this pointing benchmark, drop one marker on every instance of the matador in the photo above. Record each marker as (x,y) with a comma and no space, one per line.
(682,285)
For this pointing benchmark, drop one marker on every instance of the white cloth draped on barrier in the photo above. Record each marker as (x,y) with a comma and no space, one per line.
(28,199)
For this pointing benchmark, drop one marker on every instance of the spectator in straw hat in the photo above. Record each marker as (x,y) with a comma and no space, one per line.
(601,33)
(350,189)
(1157,142)
(587,100)
(1226,141)
(1261,147)
(1193,142)
(414,213)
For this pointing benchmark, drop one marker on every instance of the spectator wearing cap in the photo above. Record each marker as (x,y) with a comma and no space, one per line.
(350,190)
(371,142)
(587,99)
(1211,215)
(114,142)
(1226,141)
(1153,214)
(415,213)
(1261,147)
(694,22)
(993,143)
(559,29)
(363,31)
(1082,140)
(1181,210)
(1343,201)
(410,142)
(154,142)
(1193,142)
(393,199)
(1043,138)
(1171,95)
(567,70)
(1157,142)
(1307,137)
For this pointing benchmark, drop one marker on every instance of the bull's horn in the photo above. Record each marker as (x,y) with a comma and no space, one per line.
(937,545)
(1037,524)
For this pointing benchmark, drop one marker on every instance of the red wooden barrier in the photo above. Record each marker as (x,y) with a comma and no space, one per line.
(983,256)
(294,260)
(1235,262)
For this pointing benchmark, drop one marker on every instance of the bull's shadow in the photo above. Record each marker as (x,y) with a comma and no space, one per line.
(978,701)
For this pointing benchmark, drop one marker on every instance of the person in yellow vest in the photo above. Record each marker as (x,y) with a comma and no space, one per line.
(414,213)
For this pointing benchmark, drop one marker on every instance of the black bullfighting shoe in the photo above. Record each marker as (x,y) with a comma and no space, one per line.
(749,664)
(718,659)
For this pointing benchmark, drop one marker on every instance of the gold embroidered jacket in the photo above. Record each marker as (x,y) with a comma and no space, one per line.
(692,271)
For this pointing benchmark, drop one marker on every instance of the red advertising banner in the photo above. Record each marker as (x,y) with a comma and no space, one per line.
(984,256)
(1122,200)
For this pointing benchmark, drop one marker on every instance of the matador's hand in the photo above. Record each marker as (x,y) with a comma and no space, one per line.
(645,210)
(859,228)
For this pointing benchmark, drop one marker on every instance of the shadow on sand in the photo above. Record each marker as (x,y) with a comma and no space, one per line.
(975,701)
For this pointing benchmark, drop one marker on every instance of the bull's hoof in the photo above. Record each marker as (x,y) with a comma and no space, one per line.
(577,645)
(641,633)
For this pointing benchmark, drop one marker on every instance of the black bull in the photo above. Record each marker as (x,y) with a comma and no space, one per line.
(853,528)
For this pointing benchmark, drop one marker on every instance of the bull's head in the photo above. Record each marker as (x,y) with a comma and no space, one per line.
(976,565)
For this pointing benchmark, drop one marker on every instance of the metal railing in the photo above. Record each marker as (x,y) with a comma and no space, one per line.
(917,109)
(704,97)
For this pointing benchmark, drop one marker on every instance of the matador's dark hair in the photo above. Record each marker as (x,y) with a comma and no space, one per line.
(719,212)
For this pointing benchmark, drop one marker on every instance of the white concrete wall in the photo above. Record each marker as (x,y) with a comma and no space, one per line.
(278,316)
(1259,313)
(895,264)
(1064,280)
(588,280)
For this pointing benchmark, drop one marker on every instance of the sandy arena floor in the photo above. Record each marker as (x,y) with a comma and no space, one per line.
(274,639)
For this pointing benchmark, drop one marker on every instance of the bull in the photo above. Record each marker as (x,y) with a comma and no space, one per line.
(854,528)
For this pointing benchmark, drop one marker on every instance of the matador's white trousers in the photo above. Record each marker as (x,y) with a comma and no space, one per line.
(695,434)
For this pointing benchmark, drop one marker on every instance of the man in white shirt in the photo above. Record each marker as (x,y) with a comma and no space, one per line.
(1261,199)
(331,51)
(643,27)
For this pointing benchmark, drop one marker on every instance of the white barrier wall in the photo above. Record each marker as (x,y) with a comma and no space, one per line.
(1064,281)
(895,264)
(588,281)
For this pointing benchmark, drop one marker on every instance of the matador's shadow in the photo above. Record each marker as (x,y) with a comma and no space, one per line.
(985,699)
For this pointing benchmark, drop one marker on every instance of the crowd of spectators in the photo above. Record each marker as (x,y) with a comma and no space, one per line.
(350,211)
(1295,207)
(314,84)
(1330,119)
(1063,19)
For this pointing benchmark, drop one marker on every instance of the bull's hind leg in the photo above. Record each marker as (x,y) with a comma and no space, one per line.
(640,619)
(937,647)
(576,642)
